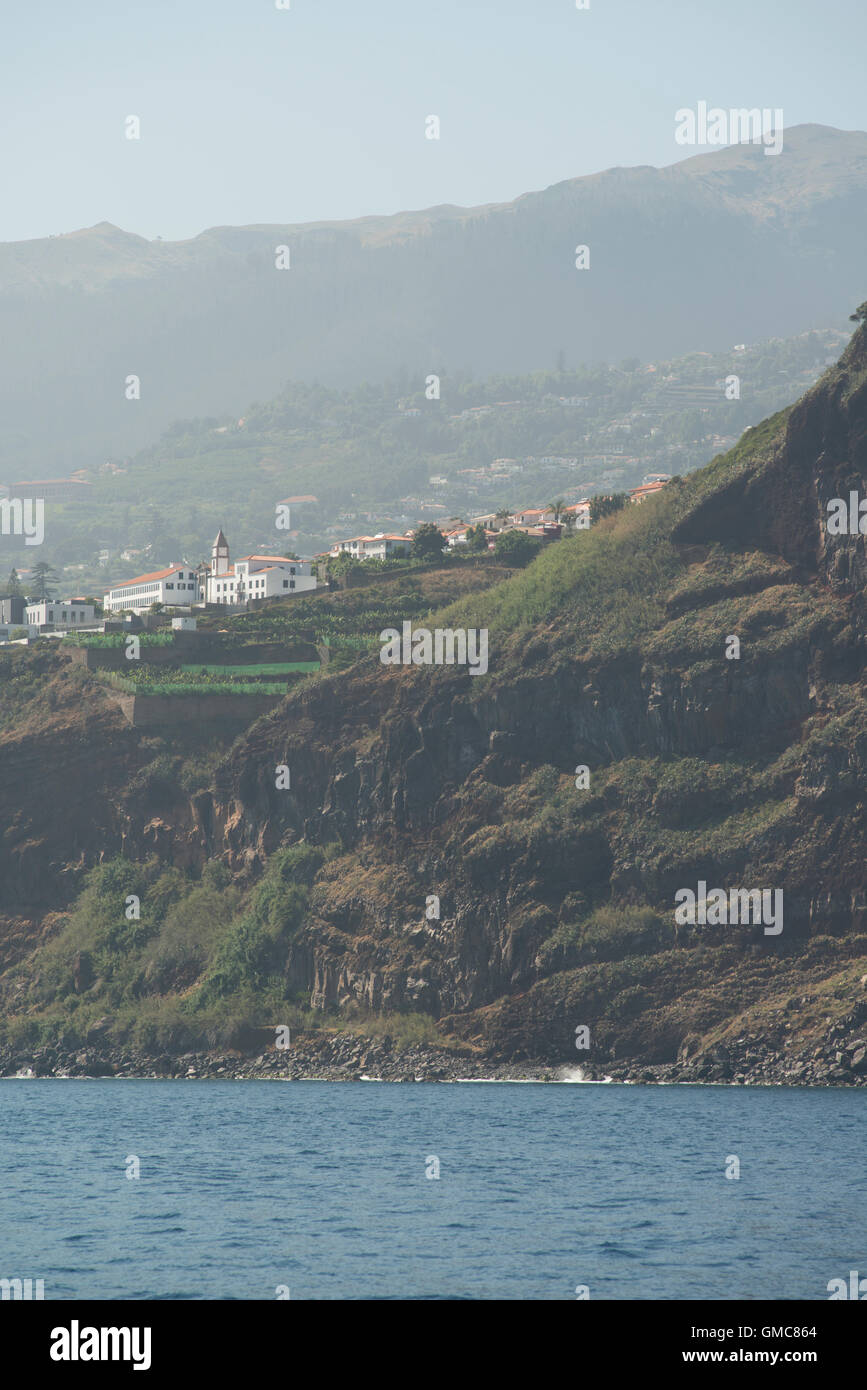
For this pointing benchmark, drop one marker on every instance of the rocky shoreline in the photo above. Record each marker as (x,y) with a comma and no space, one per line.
(840,1059)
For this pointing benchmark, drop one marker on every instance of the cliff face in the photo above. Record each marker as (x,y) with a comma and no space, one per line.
(74,792)
(676,697)
(63,765)
(776,498)
(748,771)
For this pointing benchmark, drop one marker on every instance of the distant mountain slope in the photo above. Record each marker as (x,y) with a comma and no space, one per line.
(721,248)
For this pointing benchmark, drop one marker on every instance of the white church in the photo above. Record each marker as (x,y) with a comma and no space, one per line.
(179,585)
(251,577)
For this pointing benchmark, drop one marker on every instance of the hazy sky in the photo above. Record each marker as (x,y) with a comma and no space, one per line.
(254,114)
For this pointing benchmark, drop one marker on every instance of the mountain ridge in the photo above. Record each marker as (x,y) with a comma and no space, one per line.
(715,163)
(211,324)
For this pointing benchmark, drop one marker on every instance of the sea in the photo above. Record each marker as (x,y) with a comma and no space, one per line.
(138,1189)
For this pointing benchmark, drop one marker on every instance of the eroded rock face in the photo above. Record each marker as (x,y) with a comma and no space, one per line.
(424,771)
(778,499)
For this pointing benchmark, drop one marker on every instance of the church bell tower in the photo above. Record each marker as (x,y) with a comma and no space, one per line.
(220,555)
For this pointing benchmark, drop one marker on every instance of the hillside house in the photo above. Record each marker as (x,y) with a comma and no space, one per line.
(379,547)
(640,494)
(60,613)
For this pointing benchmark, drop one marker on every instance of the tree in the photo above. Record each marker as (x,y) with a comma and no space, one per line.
(13,585)
(557,507)
(606,506)
(44,579)
(477,538)
(427,542)
(860,313)
(503,515)
(337,565)
(515,547)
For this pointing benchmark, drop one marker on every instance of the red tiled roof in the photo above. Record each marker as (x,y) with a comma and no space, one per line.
(39,482)
(274,559)
(147,578)
(647,487)
(383,537)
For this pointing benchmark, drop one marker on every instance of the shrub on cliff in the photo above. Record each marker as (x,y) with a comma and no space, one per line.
(120,909)
(612,932)
(253,951)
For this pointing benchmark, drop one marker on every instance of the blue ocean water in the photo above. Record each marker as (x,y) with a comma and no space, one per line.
(322,1188)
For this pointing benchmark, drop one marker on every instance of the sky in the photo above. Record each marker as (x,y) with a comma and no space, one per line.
(253,113)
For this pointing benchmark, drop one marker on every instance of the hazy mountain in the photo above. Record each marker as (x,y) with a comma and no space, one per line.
(718,249)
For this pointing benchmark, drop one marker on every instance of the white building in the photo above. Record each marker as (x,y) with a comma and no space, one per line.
(60,612)
(577,515)
(378,547)
(175,587)
(11,632)
(251,577)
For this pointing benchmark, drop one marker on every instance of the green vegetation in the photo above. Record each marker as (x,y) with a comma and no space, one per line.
(174,958)
(112,640)
(251,954)
(159,681)
(607,584)
(607,505)
(44,579)
(611,932)
(515,548)
(268,668)
(427,542)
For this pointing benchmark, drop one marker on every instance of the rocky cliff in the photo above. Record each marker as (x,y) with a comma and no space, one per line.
(556,902)
(674,698)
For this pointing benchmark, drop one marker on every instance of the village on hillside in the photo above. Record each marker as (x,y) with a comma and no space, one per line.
(179,588)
